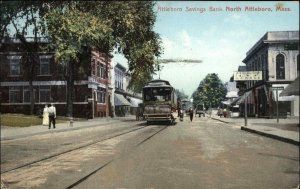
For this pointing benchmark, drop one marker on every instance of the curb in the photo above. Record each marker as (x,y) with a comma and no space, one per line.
(283,139)
(53,130)
(219,120)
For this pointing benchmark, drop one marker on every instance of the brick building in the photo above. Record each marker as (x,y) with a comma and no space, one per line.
(92,81)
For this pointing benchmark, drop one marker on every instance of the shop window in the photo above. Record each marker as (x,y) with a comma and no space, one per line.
(280,68)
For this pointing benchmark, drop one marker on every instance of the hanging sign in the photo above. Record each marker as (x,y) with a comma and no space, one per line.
(247,76)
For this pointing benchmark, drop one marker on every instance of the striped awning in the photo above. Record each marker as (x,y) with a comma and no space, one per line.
(240,99)
(120,100)
(291,89)
(135,101)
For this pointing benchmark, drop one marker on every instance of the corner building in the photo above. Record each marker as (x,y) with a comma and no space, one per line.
(276,54)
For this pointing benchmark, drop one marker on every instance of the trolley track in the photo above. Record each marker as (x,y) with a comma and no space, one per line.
(84,178)
(73,149)
(145,133)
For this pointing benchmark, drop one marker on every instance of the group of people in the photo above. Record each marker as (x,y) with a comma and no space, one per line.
(223,112)
(190,111)
(49,115)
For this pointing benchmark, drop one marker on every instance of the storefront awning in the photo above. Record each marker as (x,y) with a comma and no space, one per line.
(227,102)
(282,98)
(291,89)
(279,96)
(240,99)
(120,100)
(135,101)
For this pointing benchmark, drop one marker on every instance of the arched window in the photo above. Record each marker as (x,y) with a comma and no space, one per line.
(280,69)
(298,66)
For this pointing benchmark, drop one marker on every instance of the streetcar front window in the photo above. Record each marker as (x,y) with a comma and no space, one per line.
(157,94)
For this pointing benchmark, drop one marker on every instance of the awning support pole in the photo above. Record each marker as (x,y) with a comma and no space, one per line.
(277,105)
(245,100)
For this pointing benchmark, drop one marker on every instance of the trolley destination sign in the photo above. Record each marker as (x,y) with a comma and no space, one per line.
(247,76)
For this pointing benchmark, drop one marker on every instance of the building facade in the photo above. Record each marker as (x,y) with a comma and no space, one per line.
(276,54)
(122,105)
(125,101)
(21,73)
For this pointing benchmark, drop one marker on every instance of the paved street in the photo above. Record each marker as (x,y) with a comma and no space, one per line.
(205,153)
(99,94)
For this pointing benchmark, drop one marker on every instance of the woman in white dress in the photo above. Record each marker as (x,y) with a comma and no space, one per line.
(46,116)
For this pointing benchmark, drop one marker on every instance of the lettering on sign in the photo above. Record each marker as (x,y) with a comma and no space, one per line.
(246,76)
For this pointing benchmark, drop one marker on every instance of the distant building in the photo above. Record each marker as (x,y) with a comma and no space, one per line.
(121,104)
(92,83)
(276,54)
(125,101)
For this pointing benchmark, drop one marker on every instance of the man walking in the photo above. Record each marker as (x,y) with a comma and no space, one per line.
(191,112)
(52,115)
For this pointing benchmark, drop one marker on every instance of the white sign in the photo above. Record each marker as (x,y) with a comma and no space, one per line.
(250,75)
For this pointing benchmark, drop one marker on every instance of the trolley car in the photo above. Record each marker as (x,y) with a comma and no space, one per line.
(160,101)
(185,106)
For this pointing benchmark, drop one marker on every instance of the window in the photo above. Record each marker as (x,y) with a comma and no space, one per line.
(298,66)
(101,95)
(44,93)
(263,67)
(93,67)
(98,69)
(15,95)
(14,65)
(102,74)
(26,94)
(45,65)
(266,66)
(119,79)
(280,69)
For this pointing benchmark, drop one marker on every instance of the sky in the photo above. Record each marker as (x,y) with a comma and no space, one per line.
(221,39)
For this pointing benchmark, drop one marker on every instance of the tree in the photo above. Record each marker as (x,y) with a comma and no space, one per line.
(180,94)
(22,18)
(125,26)
(210,91)
(75,26)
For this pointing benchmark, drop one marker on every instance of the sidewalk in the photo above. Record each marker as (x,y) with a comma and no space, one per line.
(8,133)
(287,130)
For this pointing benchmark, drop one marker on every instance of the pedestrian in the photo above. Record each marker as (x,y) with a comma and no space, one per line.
(52,115)
(225,114)
(45,116)
(137,114)
(191,112)
(220,112)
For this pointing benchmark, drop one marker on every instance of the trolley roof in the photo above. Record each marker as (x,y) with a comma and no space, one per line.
(158,83)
